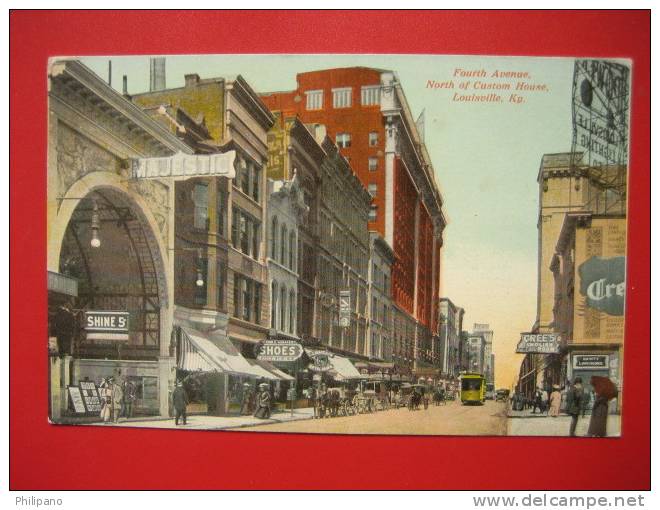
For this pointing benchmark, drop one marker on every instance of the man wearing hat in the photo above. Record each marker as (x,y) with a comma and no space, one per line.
(180,401)
(263,402)
(117,395)
(247,403)
(575,403)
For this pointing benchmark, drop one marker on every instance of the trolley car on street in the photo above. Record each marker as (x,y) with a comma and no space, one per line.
(473,389)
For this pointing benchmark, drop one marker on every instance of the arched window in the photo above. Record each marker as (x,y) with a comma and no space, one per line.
(282,309)
(273,306)
(292,251)
(284,245)
(292,312)
(273,239)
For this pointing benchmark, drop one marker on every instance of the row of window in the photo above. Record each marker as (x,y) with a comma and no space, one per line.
(283,245)
(245,233)
(283,309)
(248,177)
(343,140)
(343,97)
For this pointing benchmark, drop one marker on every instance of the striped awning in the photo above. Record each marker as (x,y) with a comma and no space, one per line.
(274,372)
(199,352)
(342,368)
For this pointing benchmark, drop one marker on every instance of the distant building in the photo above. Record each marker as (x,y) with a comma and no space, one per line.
(448,347)
(488,369)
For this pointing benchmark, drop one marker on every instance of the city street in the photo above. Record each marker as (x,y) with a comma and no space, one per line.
(451,419)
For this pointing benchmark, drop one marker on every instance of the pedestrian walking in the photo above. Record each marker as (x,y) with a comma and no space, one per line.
(263,402)
(180,401)
(538,401)
(555,401)
(604,391)
(105,392)
(545,401)
(247,401)
(117,395)
(575,403)
(129,398)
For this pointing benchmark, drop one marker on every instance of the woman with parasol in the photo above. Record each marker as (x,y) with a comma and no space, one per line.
(605,391)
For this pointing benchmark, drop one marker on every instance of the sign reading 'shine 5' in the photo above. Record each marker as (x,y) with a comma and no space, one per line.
(106,325)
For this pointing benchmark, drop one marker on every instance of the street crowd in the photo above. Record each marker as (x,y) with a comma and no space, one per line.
(574,400)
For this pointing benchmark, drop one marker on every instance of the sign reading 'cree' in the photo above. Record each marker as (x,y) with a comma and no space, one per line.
(185,166)
(544,343)
(603,283)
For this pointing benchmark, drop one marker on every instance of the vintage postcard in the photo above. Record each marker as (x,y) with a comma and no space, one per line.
(352,244)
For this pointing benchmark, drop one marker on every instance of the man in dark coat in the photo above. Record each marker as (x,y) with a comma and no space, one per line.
(129,398)
(247,402)
(575,403)
(263,402)
(180,401)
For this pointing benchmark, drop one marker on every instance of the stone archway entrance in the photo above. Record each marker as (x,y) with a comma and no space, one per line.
(121,273)
(109,247)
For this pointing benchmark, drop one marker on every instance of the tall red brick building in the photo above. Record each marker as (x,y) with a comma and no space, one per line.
(366,112)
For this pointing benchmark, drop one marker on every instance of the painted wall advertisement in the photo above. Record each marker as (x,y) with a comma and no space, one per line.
(600,281)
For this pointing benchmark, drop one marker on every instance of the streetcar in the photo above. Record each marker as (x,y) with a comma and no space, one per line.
(473,389)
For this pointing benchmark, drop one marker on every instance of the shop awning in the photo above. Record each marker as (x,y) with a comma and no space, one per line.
(342,368)
(197,352)
(267,365)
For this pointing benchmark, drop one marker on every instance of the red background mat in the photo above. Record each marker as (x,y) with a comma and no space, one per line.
(66,457)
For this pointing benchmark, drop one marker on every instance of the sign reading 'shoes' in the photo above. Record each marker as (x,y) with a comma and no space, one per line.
(603,283)
(185,165)
(547,343)
(279,350)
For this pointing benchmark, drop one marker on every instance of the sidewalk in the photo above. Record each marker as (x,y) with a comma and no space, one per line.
(520,423)
(204,422)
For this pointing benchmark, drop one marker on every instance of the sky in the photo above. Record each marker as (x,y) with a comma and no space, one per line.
(486,157)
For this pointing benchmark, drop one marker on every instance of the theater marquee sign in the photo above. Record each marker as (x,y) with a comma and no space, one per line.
(185,166)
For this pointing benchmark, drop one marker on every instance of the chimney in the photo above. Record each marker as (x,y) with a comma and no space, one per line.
(125,85)
(110,73)
(191,79)
(156,74)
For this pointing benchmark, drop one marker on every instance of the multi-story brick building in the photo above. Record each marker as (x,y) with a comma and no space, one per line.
(285,208)
(343,252)
(294,152)
(334,239)
(223,293)
(380,299)
(367,114)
